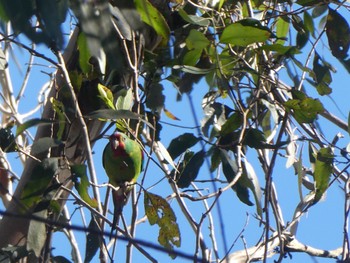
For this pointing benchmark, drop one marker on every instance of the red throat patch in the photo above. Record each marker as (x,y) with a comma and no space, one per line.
(117,144)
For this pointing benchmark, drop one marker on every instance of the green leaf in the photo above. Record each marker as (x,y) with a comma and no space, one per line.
(319,10)
(250,180)
(192,57)
(215,116)
(215,159)
(100,32)
(281,50)
(81,183)
(255,138)
(113,115)
(76,78)
(40,178)
(305,110)
(159,212)
(84,53)
(49,13)
(154,97)
(245,32)
(301,66)
(312,154)
(44,144)
(36,237)
(196,40)
(232,123)
(177,171)
(53,14)
(338,34)
(92,240)
(165,154)
(323,171)
(302,38)
(181,143)
(193,70)
(230,169)
(191,169)
(124,99)
(60,259)
(282,29)
(307,2)
(151,16)
(300,172)
(309,23)
(266,124)
(58,107)
(106,95)
(194,19)
(31,123)
(346,64)
(302,32)
(298,95)
(322,76)
(7,140)
(170,115)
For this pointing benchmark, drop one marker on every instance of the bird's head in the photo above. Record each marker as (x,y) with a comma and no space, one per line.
(117,142)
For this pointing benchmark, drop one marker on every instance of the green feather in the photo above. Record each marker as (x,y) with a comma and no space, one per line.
(122,159)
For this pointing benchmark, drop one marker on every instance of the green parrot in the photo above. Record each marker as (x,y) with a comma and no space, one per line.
(122,160)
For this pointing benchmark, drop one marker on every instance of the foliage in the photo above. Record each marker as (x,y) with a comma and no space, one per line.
(117,70)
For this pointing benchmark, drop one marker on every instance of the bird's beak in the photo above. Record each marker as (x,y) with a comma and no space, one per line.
(115,144)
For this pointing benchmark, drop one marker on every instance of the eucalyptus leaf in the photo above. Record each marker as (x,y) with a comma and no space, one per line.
(84,53)
(194,19)
(245,32)
(44,144)
(31,123)
(322,76)
(154,97)
(191,169)
(193,70)
(230,169)
(196,40)
(159,212)
(338,34)
(81,183)
(305,110)
(7,140)
(181,143)
(113,115)
(106,96)
(124,100)
(282,29)
(40,178)
(323,171)
(151,16)
(60,259)
(250,179)
(59,108)
(92,240)
(36,237)
(192,57)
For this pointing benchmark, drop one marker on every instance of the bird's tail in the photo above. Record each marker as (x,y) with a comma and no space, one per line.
(120,198)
